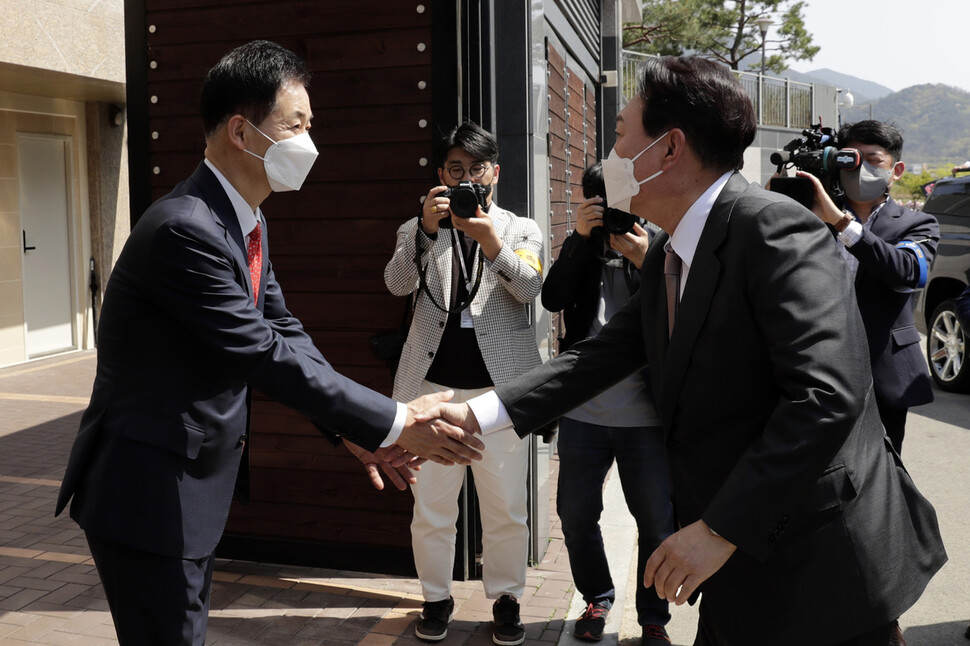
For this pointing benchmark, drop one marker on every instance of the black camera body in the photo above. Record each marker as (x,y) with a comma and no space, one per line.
(815,152)
(465,198)
(618,222)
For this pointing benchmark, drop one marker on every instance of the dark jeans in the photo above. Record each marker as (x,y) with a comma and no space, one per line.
(586,453)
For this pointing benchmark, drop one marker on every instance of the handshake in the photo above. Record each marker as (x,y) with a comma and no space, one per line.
(434,430)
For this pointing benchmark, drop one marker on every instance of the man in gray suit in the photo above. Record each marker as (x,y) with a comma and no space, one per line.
(797,522)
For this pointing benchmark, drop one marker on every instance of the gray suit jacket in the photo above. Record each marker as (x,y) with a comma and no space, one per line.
(502,327)
(772,433)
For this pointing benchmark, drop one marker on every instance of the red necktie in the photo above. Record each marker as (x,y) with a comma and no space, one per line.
(672,267)
(255,257)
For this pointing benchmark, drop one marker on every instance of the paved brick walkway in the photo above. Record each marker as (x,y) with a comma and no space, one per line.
(50,594)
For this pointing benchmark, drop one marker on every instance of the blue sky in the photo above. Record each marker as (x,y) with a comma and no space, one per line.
(895,44)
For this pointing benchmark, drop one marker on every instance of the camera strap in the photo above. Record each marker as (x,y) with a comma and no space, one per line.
(423,280)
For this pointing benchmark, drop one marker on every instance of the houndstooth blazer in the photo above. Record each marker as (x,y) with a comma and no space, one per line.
(504,334)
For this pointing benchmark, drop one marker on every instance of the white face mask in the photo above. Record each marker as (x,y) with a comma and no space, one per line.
(288,161)
(621,182)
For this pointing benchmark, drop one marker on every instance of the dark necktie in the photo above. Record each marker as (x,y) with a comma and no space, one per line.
(255,257)
(672,267)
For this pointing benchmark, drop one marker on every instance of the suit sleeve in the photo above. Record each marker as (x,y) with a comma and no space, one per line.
(590,367)
(898,267)
(191,275)
(521,245)
(563,282)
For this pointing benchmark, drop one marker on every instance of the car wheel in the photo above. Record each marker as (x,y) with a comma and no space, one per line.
(946,349)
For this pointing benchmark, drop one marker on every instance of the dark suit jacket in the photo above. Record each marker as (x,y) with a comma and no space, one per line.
(180,345)
(772,435)
(899,370)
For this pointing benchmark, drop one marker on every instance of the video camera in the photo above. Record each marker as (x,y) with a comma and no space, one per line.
(465,200)
(814,152)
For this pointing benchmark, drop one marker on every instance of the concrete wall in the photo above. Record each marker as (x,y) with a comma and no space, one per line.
(62,72)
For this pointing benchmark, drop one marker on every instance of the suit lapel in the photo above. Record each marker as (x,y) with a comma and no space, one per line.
(225,215)
(702,280)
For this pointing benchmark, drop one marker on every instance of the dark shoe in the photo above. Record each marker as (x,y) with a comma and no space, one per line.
(654,636)
(507,630)
(433,623)
(590,626)
(967,634)
(896,635)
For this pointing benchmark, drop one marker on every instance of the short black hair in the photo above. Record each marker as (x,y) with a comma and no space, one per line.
(593,183)
(874,133)
(246,81)
(473,139)
(702,98)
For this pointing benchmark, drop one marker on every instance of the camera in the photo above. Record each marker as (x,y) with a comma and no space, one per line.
(814,152)
(617,221)
(465,200)
(614,220)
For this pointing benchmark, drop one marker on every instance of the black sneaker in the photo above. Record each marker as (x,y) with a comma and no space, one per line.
(433,623)
(507,630)
(590,626)
(654,636)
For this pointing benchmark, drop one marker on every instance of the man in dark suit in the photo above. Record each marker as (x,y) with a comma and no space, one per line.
(192,319)
(888,249)
(797,523)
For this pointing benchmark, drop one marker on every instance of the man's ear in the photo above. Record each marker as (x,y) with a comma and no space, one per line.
(675,146)
(898,169)
(236,131)
(495,171)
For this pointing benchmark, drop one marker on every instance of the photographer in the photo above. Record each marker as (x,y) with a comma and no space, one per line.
(482,265)
(889,249)
(589,282)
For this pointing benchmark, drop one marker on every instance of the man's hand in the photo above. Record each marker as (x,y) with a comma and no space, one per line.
(685,560)
(400,475)
(632,245)
(589,216)
(434,210)
(482,231)
(437,439)
(822,206)
(460,415)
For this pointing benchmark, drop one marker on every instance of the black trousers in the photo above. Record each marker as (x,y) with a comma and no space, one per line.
(154,600)
(708,635)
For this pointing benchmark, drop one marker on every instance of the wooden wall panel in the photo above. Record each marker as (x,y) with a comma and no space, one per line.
(330,241)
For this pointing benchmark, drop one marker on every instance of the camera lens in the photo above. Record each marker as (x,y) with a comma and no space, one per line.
(618,222)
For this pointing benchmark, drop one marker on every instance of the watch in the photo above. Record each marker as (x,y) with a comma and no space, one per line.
(843,222)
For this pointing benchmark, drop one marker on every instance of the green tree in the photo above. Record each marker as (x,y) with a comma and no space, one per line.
(723,30)
(910,185)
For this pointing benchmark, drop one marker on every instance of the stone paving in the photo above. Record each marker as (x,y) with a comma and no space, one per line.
(50,593)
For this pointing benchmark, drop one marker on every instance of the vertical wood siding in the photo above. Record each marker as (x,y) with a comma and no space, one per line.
(330,241)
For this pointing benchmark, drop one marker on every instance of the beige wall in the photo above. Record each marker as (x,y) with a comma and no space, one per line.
(77,37)
(62,72)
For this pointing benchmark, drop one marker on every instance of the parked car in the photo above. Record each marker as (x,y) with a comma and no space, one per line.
(946,342)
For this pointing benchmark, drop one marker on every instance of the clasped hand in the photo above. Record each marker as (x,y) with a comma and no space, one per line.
(427,435)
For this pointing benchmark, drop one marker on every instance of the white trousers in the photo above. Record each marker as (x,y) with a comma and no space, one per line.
(500,481)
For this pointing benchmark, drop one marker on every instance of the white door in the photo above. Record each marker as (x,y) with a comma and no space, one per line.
(45,223)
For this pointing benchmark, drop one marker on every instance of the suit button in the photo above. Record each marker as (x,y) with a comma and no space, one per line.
(441,323)
(431,355)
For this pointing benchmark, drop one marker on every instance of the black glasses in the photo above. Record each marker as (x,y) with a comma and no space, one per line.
(476,171)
